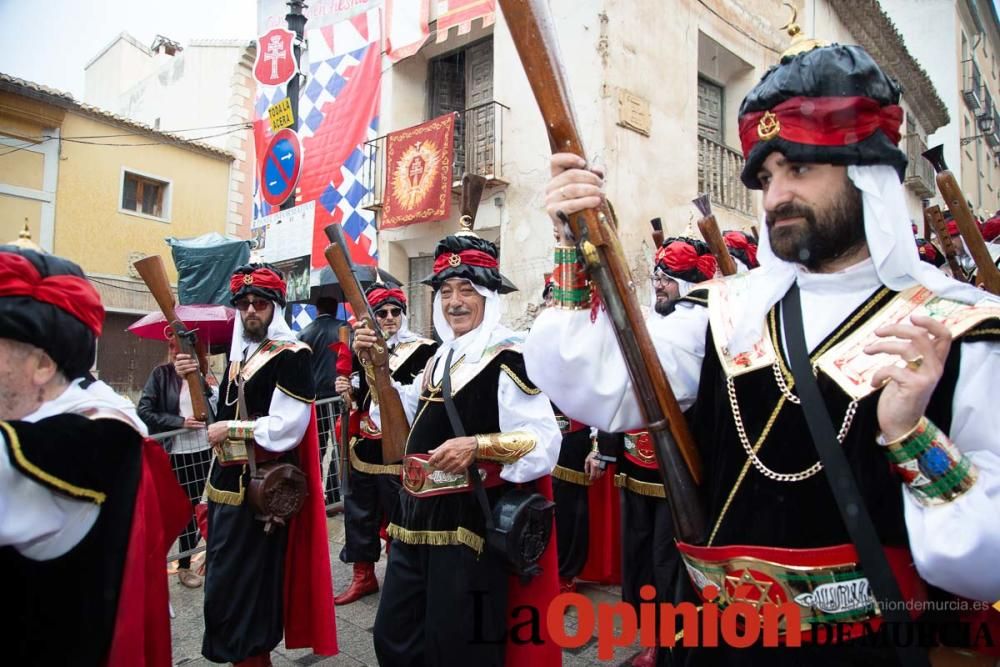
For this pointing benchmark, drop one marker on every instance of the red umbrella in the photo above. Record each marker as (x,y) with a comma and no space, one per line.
(214,323)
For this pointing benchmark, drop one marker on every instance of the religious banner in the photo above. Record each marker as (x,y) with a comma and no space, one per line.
(418,173)
(462,13)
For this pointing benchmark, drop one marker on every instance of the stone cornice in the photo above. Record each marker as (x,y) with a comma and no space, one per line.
(874,30)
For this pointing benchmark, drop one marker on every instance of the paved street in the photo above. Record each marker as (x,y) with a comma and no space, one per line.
(354,622)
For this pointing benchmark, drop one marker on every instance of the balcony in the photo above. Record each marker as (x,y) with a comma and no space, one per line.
(478,149)
(919,172)
(993,134)
(972,84)
(719,170)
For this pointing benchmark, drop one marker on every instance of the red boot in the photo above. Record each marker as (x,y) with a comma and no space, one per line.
(261,660)
(647,658)
(364,583)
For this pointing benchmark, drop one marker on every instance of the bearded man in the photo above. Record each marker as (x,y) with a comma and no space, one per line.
(902,382)
(264,581)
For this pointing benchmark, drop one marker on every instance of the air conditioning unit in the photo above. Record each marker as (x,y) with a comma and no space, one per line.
(972,85)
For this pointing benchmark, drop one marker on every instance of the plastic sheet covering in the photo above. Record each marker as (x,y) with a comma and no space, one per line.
(204,265)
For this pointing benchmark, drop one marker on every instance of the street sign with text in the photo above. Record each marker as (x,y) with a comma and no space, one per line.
(280,115)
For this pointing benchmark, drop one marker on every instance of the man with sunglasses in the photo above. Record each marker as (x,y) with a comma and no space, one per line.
(374,488)
(262,585)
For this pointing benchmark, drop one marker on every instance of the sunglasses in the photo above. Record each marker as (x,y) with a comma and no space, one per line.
(388,312)
(243,305)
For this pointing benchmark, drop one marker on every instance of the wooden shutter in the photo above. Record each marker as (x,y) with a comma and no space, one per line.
(479,123)
(710,111)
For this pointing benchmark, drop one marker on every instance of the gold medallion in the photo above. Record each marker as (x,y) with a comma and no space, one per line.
(768,127)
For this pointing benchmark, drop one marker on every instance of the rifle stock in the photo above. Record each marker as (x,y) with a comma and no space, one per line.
(154,274)
(657,232)
(709,229)
(678,460)
(472,192)
(934,219)
(395,427)
(987,274)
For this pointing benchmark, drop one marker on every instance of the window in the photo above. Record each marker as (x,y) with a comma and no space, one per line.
(145,195)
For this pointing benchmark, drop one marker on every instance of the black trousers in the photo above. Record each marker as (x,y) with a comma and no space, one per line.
(191,470)
(244,582)
(370,498)
(572,526)
(441,606)
(649,556)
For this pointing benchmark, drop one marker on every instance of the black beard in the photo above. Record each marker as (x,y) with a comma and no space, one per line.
(254,336)
(820,239)
(664,308)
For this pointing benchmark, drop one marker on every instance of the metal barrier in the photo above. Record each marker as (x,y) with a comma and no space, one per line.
(191,459)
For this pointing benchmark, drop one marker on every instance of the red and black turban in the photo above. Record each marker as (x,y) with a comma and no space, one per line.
(470,257)
(742,246)
(262,280)
(830,105)
(381,295)
(685,258)
(48,302)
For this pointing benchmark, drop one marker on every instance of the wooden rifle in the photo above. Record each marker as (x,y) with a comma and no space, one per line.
(472,192)
(375,360)
(713,237)
(934,219)
(154,274)
(677,457)
(657,226)
(987,273)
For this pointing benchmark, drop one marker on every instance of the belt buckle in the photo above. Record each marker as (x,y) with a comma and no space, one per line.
(422,479)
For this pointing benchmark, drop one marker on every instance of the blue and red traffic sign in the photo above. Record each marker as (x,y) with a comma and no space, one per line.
(281,166)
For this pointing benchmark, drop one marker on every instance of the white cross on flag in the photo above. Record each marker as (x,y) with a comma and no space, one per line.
(275,64)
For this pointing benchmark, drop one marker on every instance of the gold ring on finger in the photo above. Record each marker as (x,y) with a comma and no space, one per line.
(915,363)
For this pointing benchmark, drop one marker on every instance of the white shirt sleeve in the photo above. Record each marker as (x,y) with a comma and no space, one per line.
(40,523)
(523,412)
(956,545)
(409,396)
(285,424)
(578,363)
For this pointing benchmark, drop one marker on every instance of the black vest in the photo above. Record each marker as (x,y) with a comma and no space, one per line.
(476,403)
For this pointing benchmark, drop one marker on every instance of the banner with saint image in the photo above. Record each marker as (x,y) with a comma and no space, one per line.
(418,173)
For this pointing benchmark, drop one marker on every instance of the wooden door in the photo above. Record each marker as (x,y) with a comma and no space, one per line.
(480,126)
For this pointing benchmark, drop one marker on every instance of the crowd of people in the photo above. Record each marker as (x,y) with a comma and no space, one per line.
(494,507)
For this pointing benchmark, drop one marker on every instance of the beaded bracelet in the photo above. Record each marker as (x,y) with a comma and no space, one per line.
(931,466)
(571,288)
(240,430)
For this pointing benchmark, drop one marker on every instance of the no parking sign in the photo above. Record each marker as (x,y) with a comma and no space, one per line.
(280,167)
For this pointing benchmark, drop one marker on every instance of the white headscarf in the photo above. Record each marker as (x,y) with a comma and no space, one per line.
(474,343)
(97,395)
(277,330)
(403,335)
(890,242)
